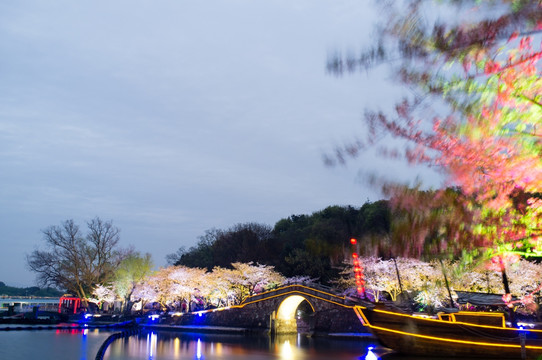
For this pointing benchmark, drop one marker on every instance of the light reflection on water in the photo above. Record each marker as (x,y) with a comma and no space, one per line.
(59,344)
(370,354)
(83,344)
(173,346)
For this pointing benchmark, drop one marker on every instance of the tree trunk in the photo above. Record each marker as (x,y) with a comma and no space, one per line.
(507,291)
(128,304)
(81,294)
(398,276)
(447,283)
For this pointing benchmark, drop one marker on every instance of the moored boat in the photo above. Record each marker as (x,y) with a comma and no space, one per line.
(461,334)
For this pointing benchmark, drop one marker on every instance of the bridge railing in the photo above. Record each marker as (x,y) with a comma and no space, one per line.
(310,284)
(323,292)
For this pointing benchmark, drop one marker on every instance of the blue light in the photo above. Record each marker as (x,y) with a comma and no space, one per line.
(83,355)
(370,354)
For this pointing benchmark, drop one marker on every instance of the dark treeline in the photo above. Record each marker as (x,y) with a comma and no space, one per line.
(306,245)
(28,291)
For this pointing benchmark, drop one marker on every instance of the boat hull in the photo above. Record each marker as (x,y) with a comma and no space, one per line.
(414,335)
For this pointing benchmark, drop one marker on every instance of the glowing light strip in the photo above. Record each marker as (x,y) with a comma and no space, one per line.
(455,340)
(496,315)
(365,322)
(449,322)
(297,292)
(360,315)
(312,307)
(303,286)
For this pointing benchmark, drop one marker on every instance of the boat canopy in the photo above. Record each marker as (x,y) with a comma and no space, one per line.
(480,299)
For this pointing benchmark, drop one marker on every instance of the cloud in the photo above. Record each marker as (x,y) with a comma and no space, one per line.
(174,117)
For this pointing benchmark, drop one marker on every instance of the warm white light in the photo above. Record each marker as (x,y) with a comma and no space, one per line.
(286,351)
(151,344)
(176,348)
(288,307)
(198,349)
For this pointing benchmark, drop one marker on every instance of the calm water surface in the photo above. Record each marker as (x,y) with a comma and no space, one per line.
(172,346)
(84,345)
(51,344)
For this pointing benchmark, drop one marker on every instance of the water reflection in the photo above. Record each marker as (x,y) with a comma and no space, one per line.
(286,351)
(172,346)
(151,345)
(198,349)
(370,354)
(83,350)
(57,344)
(83,344)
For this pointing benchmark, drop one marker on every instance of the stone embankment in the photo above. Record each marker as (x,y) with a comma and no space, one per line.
(334,322)
(69,326)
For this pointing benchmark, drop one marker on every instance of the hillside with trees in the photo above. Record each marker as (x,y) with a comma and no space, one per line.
(313,245)
(6,290)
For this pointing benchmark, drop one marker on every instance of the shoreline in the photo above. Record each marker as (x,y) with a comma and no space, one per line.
(244,331)
(165,327)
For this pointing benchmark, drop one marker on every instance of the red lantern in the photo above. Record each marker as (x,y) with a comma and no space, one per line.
(358,270)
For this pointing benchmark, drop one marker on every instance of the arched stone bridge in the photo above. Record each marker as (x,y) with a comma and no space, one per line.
(287,309)
(328,312)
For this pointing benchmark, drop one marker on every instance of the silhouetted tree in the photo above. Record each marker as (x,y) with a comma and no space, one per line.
(74,261)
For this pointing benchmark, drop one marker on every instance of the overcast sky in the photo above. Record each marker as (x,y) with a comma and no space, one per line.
(172,117)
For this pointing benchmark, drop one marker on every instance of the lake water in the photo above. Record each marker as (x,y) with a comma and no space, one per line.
(51,344)
(164,345)
(167,345)
(171,346)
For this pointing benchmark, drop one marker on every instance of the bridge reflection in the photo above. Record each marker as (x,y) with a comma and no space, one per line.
(173,345)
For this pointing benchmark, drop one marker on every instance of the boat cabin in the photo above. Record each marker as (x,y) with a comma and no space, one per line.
(474,317)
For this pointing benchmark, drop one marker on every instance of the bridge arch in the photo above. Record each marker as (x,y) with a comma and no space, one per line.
(288,306)
(278,311)
(275,310)
(286,319)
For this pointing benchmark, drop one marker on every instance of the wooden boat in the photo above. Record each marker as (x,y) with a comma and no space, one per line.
(461,334)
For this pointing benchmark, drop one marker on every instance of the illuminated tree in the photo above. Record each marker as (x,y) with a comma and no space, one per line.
(301,280)
(180,287)
(157,287)
(381,276)
(104,294)
(131,272)
(476,279)
(474,114)
(186,283)
(146,292)
(525,277)
(246,279)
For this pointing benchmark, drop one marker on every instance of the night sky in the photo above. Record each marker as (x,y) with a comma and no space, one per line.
(172,117)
